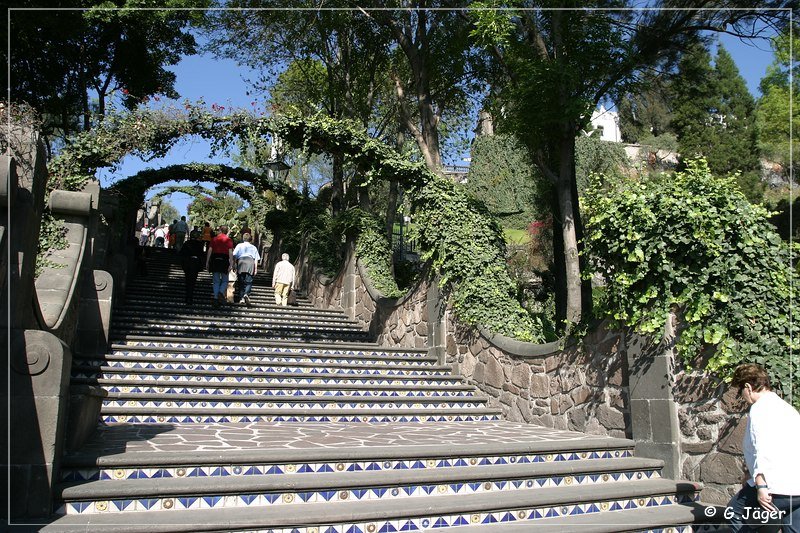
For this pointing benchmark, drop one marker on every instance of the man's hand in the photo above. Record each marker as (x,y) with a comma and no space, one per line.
(765,500)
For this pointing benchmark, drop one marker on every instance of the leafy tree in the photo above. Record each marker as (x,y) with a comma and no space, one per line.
(777,120)
(693,243)
(431,71)
(738,150)
(218,209)
(331,61)
(557,65)
(68,63)
(644,110)
(596,156)
(714,117)
(168,212)
(695,102)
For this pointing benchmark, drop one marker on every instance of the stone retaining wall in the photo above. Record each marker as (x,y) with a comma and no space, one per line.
(575,388)
(578,388)
(712,426)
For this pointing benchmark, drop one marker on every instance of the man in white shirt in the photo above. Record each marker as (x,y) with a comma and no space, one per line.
(144,235)
(771,490)
(161,236)
(283,280)
(247,258)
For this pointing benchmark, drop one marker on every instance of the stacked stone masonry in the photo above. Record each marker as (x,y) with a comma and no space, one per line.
(712,428)
(578,388)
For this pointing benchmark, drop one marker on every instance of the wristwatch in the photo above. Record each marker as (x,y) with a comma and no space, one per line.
(762,487)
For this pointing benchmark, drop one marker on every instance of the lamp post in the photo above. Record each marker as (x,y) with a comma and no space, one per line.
(274,166)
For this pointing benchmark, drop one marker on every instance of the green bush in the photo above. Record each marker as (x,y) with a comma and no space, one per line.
(503,176)
(692,242)
(594,156)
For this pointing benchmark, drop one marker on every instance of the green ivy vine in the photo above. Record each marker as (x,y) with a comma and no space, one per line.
(692,242)
(372,249)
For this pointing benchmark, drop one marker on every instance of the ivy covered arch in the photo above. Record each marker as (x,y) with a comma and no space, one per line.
(131,190)
(456,234)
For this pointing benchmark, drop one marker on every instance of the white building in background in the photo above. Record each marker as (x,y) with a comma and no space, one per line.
(607,123)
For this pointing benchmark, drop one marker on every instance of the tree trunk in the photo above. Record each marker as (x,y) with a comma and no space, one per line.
(337,185)
(559,267)
(391,208)
(568,213)
(87,118)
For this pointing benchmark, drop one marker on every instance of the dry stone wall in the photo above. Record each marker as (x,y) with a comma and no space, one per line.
(712,425)
(577,388)
(324,292)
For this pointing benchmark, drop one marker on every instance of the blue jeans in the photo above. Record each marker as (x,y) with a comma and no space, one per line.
(219,282)
(245,283)
(746,515)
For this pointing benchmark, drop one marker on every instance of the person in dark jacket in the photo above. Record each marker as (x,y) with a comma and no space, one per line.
(191,255)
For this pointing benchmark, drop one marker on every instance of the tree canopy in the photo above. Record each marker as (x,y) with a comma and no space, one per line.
(69,62)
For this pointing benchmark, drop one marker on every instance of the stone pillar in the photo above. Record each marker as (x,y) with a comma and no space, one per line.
(436,307)
(40,366)
(94,314)
(28,177)
(349,285)
(654,413)
(8,184)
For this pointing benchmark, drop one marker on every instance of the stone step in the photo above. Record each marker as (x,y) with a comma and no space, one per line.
(273,352)
(267,367)
(159,401)
(173,494)
(262,345)
(684,518)
(408,514)
(252,449)
(203,308)
(202,295)
(288,379)
(262,358)
(265,320)
(271,389)
(337,415)
(248,322)
(276,333)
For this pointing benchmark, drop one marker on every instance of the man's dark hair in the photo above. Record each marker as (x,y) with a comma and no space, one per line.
(753,374)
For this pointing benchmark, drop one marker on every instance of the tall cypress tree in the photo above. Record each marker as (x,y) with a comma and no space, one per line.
(737,147)
(714,116)
(695,103)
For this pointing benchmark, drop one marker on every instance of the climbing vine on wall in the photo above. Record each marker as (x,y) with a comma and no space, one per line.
(457,235)
(455,232)
(694,243)
(372,249)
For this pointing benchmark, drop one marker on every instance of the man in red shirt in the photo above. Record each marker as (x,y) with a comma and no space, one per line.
(219,261)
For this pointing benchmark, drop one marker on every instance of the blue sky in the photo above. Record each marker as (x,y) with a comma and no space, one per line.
(223,82)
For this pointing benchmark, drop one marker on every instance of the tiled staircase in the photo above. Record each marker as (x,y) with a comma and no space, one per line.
(289,420)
